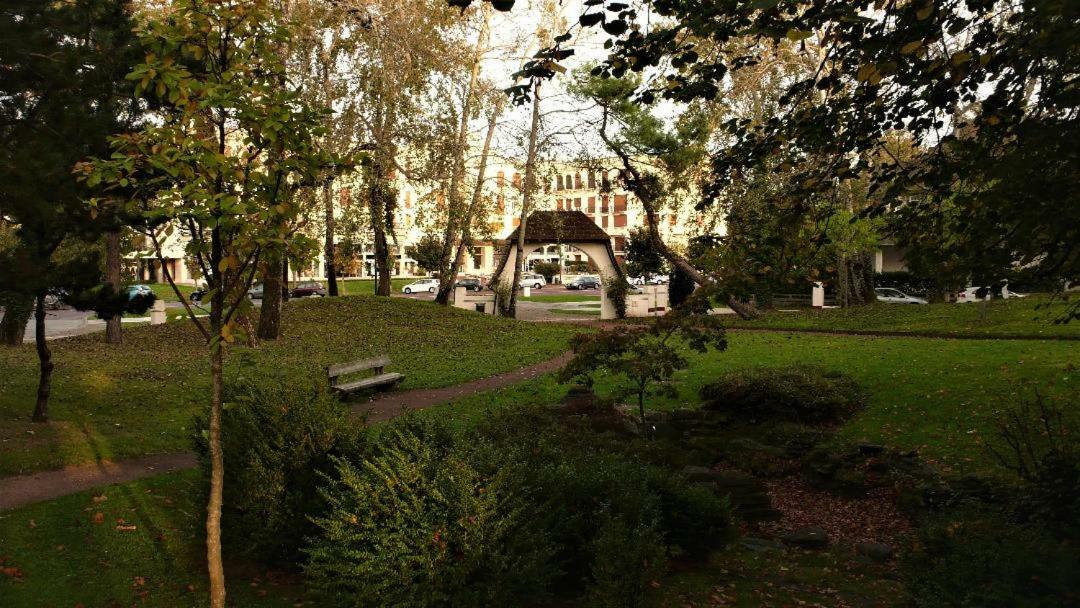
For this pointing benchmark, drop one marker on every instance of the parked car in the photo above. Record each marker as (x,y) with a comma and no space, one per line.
(197,295)
(895,296)
(536,281)
(971,294)
(584,283)
(428,285)
(256,291)
(54,301)
(308,289)
(139,290)
(469,284)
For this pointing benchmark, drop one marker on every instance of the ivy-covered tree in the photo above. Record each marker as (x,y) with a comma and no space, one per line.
(229,143)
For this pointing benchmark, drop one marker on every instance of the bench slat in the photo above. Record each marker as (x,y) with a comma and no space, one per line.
(380,380)
(341,369)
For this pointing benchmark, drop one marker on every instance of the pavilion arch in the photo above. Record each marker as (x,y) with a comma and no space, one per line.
(572,228)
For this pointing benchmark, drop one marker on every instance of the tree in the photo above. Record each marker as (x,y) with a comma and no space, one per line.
(428,253)
(229,144)
(984,89)
(656,161)
(457,217)
(646,357)
(60,98)
(642,259)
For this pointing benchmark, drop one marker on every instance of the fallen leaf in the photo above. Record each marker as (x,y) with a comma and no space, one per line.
(99,518)
(127,528)
(100,499)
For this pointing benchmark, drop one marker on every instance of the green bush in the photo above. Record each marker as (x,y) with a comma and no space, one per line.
(425,522)
(982,561)
(799,393)
(548,269)
(279,434)
(518,509)
(616,288)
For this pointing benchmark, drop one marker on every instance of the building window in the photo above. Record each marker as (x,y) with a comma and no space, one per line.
(477,257)
(620,220)
(558,182)
(603,221)
(577,181)
(592,180)
(516,180)
(605,182)
(620,243)
(501,179)
(592,204)
(577,204)
(603,203)
(569,181)
(620,203)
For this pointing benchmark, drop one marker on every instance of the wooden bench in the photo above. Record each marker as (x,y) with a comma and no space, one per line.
(375,365)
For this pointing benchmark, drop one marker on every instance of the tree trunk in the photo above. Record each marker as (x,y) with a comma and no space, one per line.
(526,200)
(114,334)
(328,247)
(17,312)
(41,408)
(215,569)
(284,276)
(270,310)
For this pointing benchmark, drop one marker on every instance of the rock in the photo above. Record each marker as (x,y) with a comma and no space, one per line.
(809,537)
(759,545)
(871,449)
(878,552)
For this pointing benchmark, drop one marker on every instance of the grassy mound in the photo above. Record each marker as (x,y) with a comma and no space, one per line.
(121,401)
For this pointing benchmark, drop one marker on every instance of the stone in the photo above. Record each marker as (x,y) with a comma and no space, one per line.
(759,545)
(871,449)
(808,537)
(878,552)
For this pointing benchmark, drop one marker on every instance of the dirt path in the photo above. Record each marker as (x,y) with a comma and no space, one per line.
(26,489)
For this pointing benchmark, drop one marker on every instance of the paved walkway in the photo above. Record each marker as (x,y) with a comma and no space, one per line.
(45,485)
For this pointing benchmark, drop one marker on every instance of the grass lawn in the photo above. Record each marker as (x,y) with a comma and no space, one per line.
(165,292)
(938,396)
(576,312)
(562,297)
(112,402)
(1031,316)
(133,544)
(366,287)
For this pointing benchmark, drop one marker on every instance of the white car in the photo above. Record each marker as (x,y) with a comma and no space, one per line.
(895,296)
(428,285)
(536,281)
(658,279)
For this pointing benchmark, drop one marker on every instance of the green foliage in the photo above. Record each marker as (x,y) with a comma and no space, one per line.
(61,96)
(976,559)
(680,287)
(280,432)
(642,259)
(427,252)
(549,269)
(421,523)
(799,393)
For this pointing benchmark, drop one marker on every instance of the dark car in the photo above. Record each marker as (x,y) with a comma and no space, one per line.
(308,289)
(256,292)
(584,283)
(470,284)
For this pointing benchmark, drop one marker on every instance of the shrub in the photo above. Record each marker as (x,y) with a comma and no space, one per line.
(971,559)
(1034,441)
(798,393)
(278,434)
(616,288)
(424,522)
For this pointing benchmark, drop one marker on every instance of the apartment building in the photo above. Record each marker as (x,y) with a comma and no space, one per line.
(419,212)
